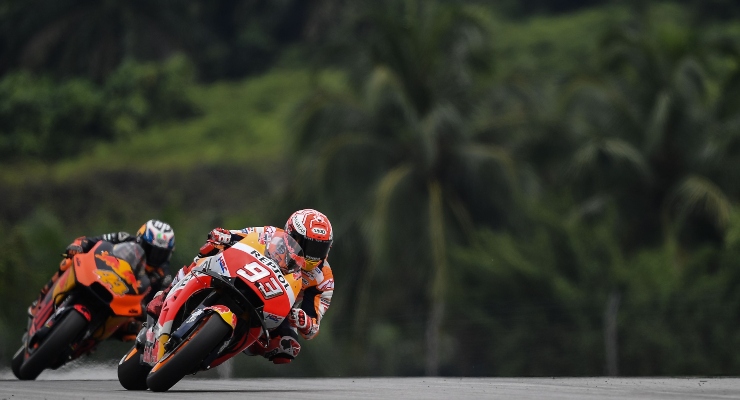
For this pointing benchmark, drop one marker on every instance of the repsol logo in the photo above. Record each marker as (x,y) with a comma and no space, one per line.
(268,262)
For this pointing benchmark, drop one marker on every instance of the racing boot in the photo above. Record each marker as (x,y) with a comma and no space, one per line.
(280,350)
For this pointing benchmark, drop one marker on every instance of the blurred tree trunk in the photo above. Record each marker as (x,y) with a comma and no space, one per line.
(439,284)
(610,333)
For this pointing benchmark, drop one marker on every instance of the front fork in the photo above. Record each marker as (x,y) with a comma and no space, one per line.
(59,312)
(156,344)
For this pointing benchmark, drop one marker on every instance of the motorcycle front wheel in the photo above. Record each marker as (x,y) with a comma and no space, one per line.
(190,352)
(17,361)
(53,346)
(131,372)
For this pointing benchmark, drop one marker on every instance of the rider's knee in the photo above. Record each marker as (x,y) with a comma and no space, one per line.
(280,350)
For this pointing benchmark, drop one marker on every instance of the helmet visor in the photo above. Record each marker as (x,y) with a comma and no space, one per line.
(156,256)
(286,252)
(313,250)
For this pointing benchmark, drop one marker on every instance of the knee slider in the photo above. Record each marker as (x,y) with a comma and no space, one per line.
(283,350)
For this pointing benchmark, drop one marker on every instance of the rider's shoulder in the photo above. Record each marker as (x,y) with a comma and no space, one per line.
(258,229)
(115,237)
(125,237)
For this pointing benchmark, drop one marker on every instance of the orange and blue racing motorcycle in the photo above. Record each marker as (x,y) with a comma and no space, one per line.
(86,305)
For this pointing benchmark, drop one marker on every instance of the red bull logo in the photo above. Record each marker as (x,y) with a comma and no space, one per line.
(228,316)
(108,259)
(122,269)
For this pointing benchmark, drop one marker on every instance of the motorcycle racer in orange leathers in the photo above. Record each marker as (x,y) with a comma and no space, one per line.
(313,232)
(153,244)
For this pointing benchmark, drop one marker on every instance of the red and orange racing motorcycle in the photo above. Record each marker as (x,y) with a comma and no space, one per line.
(224,304)
(86,305)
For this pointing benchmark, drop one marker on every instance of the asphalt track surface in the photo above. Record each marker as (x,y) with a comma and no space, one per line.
(59,387)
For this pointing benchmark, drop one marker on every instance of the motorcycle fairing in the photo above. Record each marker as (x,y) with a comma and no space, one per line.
(269,283)
(83,275)
(112,280)
(269,297)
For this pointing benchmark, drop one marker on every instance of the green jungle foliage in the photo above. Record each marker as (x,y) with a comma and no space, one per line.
(527,189)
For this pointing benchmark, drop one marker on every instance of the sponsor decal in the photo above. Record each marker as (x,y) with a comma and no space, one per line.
(220,309)
(326,302)
(115,264)
(271,264)
(114,282)
(326,285)
(299,219)
(108,259)
(319,231)
(270,288)
(266,235)
(222,263)
(272,317)
(194,315)
(311,274)
(254,272)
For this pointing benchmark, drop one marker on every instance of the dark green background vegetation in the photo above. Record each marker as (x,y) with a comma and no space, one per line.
(532,188)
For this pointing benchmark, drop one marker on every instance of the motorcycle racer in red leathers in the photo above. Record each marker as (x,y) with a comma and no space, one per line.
(312,230)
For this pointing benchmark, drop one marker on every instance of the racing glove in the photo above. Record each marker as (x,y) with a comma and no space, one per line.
(220,235)
(80,245)
(72,250)
(218,239)
(306,326)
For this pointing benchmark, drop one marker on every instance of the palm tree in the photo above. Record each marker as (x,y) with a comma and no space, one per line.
(92,37)
(400,155)
(643,134)
(648,139)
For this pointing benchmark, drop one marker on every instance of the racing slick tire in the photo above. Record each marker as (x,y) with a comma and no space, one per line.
(189,353)
(17,361)
(53,346)
(131,372)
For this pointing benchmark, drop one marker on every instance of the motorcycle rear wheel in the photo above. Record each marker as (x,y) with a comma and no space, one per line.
(58,340)
(131,372)
(196,347)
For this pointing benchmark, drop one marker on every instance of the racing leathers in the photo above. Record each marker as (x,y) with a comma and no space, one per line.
(311,303)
